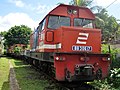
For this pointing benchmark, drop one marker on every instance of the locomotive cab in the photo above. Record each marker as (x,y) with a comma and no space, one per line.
(67,38)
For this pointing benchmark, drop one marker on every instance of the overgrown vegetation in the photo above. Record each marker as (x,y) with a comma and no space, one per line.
(4,74)
(17,50)
(113,51)
(27,77)
(113,80)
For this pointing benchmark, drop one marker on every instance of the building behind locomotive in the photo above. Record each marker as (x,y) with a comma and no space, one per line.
(67,38)
(16,50)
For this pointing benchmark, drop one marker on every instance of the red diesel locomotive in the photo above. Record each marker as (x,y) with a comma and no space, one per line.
(67,40)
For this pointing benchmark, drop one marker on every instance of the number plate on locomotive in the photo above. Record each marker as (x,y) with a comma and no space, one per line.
(82,48)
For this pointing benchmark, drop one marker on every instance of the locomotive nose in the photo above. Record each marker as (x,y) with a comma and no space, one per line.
(86,70)
(82,72)
(75,39)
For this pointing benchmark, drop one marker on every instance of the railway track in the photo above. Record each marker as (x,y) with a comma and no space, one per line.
(55,85)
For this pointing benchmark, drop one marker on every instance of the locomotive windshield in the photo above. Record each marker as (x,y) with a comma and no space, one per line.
(57,21)
(86,23)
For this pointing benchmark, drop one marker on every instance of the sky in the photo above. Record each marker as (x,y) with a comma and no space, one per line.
(31,12)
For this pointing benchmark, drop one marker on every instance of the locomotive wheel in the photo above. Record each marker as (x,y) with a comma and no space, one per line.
(33,62)
(36,63)
(30,61)
(51,70)
(43,66)
(40,65)
(99,74)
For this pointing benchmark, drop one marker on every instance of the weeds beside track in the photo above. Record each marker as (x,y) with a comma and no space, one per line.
(32,78)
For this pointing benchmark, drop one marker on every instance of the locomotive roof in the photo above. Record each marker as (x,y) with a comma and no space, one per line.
(62,9)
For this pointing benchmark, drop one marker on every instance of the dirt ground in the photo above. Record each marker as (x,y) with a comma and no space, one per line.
(13,81)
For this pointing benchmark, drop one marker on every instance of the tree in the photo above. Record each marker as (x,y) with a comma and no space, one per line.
(81,2)
(3,33)
(109,26)
(17,35)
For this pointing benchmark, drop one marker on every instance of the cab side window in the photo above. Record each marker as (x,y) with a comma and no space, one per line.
(42,25)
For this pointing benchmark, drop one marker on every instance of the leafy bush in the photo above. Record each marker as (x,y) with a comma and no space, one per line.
(17,50)
(114,78)
(113,52)
(101,84)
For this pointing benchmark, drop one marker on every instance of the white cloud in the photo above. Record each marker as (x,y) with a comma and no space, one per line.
(18,3)
(40,9)
(13,19)
(106,3)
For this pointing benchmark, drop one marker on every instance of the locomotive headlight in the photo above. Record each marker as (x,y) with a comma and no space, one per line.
(60,58)
(84,58)
(108,58)
(70,11)
(105,58)
(56,58)
(74,11)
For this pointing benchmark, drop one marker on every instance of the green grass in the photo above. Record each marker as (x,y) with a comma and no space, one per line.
(28,78)
(4,74)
